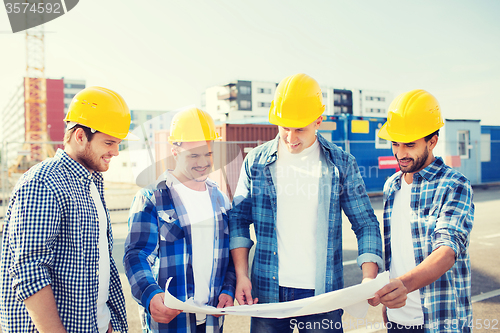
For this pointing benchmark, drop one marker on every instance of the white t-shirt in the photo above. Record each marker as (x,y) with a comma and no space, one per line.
(201,217)
(103,314)
(297,215)
(403,257)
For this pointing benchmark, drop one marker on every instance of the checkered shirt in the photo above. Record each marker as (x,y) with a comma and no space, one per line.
(341,188)
(159,246)
(442,215)
(51,238)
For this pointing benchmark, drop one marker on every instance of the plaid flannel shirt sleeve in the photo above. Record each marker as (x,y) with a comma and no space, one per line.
(455,219)
(240,216)
(229,284)
(358,209)
(141,248)
(32,232)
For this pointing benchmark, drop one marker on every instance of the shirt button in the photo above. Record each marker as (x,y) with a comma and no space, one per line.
(274,278)
(274,253)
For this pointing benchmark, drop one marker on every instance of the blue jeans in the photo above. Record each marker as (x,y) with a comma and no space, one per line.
(323,322)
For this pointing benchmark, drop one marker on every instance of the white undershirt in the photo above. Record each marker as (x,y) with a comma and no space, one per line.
(297,215)
(201,217)
(103,314)
(403,257)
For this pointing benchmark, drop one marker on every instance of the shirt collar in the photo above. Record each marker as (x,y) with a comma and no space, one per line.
(76,168)
(430,171)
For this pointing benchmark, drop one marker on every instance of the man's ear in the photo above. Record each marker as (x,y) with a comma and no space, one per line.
(80,136)
(433,142)
(318,122)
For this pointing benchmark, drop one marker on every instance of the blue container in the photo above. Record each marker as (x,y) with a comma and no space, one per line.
(490,135)
(358,136)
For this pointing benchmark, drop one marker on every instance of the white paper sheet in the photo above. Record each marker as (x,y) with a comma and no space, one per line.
(353,299)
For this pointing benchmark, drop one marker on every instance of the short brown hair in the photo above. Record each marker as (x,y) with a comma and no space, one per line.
(86,130)
(428,137)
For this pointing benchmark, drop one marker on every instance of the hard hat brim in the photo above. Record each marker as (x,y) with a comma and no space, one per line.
(383,133)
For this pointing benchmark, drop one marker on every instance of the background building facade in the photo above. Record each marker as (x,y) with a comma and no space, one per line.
(59,94)
(239,100)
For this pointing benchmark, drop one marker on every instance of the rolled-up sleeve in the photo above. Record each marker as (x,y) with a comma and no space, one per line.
(358,209)
(455,219)
(33,228)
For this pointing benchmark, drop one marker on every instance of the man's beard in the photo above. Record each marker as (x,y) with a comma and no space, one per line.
(417,164)
(91,161)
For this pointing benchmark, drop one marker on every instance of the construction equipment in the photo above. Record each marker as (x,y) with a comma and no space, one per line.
(35,100)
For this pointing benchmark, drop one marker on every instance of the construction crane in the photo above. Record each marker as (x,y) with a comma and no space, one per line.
(35,102)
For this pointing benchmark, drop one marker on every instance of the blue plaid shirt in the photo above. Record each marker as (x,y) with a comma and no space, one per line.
(159,247)
(341,188)
(51,237)
(442,215)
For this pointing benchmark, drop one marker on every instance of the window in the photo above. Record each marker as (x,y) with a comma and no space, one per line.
(381,143)
(265,104)
(486,147)
(336,109)
(149,117)
(264,90)
(245,90)
(325,95)
(74,86)
(369,98)
(381,99)
(463,143)
(336,97)
(245,105)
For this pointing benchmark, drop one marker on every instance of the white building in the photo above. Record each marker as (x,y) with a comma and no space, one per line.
(371,102)
(12,130)
(240,100)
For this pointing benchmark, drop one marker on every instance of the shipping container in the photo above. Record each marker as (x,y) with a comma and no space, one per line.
(358,136)
(490,154)
(228,153)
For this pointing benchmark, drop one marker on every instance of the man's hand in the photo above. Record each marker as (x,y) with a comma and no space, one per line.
(392,295)
(244,291)
(159,312)
(224,301)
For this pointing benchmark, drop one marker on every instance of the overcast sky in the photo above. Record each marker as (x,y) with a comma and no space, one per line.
(162,55)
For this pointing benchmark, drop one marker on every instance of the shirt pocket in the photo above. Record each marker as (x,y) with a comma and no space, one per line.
(169,226)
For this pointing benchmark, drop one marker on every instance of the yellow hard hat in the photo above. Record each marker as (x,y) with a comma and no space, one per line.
(412,116)
(298,101)
(192,125)
(102,110)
